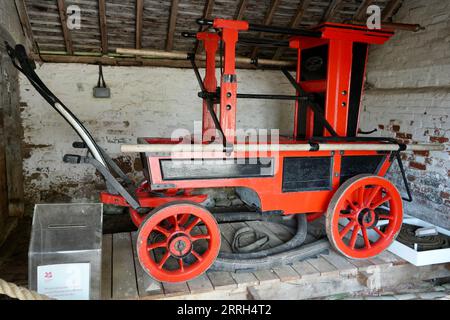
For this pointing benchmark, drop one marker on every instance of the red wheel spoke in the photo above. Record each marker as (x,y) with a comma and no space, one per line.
(366,237)
(156,245)
(385,217)
(163,260)
(175,222)
(346,229)
(379,203)
(181,264)
(162,230)
(354,208)
(379,232)
(192,224)
(354,237)
(200,237)
(361,196)
(196,255)
(372,195)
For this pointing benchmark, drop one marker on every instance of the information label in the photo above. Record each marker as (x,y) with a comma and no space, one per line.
(64,281)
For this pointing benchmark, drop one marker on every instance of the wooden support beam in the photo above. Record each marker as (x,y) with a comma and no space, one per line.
(103,25)
(139,21)
(209,6)
(294,23)
(241,9)
(65,29)
(362,10)
(267,21)
(390,9)
(334,5)
(26,25)
(172,25)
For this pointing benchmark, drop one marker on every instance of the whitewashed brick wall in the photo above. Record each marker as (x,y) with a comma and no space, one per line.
(408,97)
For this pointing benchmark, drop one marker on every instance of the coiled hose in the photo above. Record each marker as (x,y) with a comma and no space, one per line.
(286,253)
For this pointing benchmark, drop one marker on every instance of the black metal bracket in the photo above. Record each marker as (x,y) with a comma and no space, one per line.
(113,186)
(111,164)
(209,102)
(405,180)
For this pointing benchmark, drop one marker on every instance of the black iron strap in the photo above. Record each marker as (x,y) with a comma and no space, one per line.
(270,29)
(310,103)
(208,99)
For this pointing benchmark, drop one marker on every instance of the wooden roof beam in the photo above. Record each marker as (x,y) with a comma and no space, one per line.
(295,21)
(26,25)
(139,22)
(390,9)
(241,10)
(62,9)
(103,25)
(267,21)
(362,10)
(209,6)
(334,5)
(172,25)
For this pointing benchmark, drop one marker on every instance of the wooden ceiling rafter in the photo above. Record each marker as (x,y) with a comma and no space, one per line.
(267,21)
(332,8)
(26,25)
(62,10)
(209,6)
(390,9)
(294,23)
(139,22)
(241,10)
(103,25)
(172,25)
(362,9)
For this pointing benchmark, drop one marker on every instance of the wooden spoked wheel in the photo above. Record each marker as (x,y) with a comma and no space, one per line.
(355,214)
(178,242)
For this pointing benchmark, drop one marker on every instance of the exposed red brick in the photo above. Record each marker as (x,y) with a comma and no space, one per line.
(381,126)
(411,178)
(439,139)
(445,195)
(403,135)
(396,128)
(418,166)
(422,153)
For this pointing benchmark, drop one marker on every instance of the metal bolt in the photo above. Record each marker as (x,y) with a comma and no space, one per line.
(336,174)
(229,94)
(228,107)
(344,92)
(344,104)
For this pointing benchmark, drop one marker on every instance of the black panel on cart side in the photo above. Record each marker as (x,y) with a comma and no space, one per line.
(354,165)
(307,174)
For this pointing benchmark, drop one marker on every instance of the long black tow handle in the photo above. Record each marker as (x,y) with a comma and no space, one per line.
(19,55)
(100,160)
(270,29)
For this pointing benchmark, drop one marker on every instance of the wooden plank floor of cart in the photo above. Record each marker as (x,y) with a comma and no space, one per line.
(325,275)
